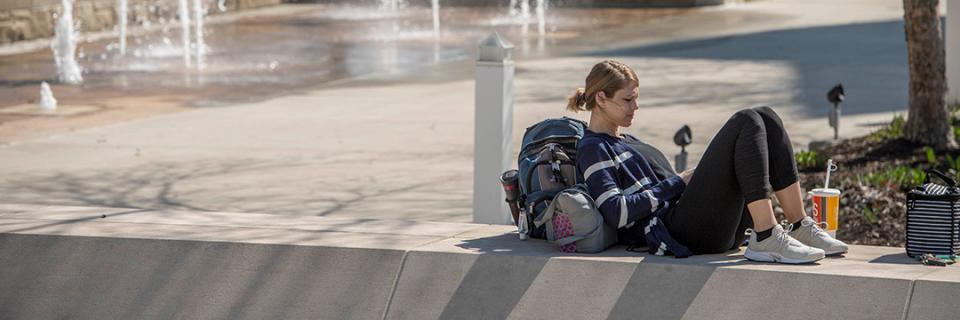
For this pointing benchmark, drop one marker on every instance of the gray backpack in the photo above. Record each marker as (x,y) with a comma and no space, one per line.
(590,234)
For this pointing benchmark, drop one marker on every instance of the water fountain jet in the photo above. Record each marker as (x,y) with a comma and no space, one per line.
(122,25)
(200,45)
(65,47)
(541,18)
(436,19)
(47,102)
(390,5)
(184,13)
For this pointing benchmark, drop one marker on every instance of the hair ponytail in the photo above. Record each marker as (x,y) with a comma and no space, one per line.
(608,76)
(577,101)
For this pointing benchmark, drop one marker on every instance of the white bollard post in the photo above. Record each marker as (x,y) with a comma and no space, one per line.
(493,129)
(951,32)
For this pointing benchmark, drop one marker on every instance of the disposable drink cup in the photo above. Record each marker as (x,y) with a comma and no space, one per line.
(826,209)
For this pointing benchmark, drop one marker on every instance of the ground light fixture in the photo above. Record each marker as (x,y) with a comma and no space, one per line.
(682,138)
(835,96)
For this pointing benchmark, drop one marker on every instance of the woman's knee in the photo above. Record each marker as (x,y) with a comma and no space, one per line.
(771,117)
(766,111)
(748,117)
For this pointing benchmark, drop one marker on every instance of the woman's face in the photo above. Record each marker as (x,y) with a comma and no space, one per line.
(620,108)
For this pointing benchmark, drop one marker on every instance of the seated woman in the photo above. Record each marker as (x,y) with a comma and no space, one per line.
(698,211)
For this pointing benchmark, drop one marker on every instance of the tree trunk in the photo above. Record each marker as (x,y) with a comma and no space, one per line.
(928,120)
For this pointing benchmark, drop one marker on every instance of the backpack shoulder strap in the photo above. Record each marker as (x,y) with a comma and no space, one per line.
(581,188)
(547,214)
(535,198)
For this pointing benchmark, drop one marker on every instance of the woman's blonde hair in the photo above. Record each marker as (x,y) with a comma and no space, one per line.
(607,76)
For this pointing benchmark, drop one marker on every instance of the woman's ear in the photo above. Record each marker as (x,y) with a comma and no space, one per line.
(601,96)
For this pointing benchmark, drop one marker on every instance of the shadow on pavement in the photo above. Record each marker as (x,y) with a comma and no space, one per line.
(870,59)
(898,258)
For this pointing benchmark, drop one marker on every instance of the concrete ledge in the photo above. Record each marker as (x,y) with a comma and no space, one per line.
(109,263)
(63,277)
(935,297)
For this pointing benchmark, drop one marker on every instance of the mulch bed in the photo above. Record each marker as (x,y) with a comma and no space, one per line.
(869,215)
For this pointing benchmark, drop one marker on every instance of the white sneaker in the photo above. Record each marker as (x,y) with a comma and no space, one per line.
(780,247)
(810,234)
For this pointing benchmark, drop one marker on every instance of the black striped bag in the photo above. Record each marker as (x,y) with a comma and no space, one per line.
(933,217)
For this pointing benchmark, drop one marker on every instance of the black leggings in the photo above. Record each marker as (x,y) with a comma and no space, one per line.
(750,156)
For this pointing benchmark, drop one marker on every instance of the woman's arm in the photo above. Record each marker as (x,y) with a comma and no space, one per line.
(686,175)
(622,207)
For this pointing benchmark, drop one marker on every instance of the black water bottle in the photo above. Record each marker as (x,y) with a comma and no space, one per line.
(511,189)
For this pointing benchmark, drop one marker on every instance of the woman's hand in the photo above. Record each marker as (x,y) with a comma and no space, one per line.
(686,175)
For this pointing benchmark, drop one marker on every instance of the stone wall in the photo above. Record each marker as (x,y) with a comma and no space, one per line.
(33,19)
(554,3)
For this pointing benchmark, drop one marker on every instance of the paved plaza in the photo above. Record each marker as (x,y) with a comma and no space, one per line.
(399,145)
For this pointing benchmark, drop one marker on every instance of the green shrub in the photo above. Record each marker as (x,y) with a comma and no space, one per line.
(931,157)
(953,164)
(900,177)
(948,165)
(810,160)
(955,122)
(893,130)
(869,214)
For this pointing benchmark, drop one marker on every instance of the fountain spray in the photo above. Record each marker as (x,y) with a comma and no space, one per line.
(65,47)
(436,19)
(200,45)
(513,8)
(47,102)
(184,13)
(525,22)
(391,5)
(541,18)
(122,24)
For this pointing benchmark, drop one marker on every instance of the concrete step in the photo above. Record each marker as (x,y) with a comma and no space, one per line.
(115,263)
